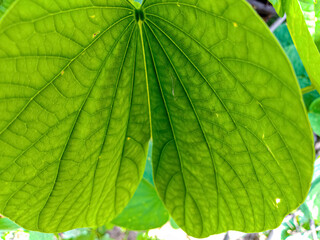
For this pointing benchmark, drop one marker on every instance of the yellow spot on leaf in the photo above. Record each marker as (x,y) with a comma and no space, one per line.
(95,34)
(62,73)
(178,4)
(93,16)
(128,138)
(235,24)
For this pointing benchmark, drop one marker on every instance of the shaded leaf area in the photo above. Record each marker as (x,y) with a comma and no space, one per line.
(148,169)
(144,211)
(73,112)
(314,116)
(237,105)
(283,35)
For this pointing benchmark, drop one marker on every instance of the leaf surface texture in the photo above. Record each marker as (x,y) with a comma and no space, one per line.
(82,80)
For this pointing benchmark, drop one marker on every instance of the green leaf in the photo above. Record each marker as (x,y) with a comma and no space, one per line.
(73,112)
(314,116)
(173,224)
(228,125)
(301,36)
(148,169)
(313,199)
(311,13)
(145,210)
(7,225)
(80,80)
(283,35)
(310,10)
(279,5)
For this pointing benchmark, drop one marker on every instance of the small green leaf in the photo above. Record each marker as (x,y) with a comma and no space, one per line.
(279,5)
(144,211)
(314,116)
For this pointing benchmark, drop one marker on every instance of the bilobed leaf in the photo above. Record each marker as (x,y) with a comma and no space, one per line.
(74,122)
(228,124)
(80,79)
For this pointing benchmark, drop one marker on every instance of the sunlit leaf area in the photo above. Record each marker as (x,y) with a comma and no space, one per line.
(159,119)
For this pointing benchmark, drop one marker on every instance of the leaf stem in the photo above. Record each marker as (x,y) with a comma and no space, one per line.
(308,89)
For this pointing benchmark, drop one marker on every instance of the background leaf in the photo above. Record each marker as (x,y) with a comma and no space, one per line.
(311,13)
(7,225)
(145,210)
(301,36)
(314,116)
(283,35)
